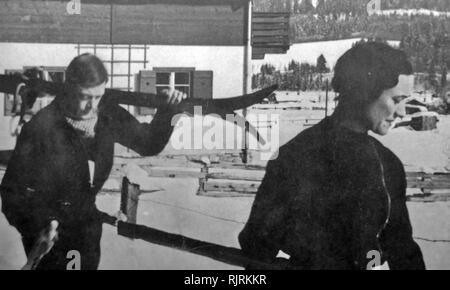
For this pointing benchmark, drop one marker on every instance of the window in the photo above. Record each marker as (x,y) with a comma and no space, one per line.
(180,81)
(195,84)
(122,61)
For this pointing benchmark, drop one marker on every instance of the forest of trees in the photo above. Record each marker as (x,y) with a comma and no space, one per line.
(337,19)
(425,38)
(295,77)
(354,7)
(429,55)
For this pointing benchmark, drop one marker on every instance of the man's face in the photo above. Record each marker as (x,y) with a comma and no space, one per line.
(381,113)
(87,101)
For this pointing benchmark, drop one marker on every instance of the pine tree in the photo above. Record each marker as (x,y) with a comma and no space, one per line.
(443,83)
(432,77)
(321,65)
(306,7)
(296,6)
(320,8)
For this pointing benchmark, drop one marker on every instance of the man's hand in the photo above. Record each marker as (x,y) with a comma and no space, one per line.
(174,98)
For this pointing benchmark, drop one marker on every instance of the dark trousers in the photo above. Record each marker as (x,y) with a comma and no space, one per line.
(83,237)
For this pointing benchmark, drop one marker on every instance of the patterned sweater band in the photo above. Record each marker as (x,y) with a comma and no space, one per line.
(85,127)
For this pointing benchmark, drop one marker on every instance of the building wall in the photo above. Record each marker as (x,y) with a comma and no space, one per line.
(225,62)
(199,22)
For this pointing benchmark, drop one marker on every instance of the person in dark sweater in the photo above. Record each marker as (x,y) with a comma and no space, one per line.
(48,179)
(335,198)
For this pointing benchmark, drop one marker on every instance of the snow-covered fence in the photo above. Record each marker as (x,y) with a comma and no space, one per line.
(224,175)
(231,179)
(432,186)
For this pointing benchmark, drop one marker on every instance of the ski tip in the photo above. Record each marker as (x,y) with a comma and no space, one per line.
(270,90)
(274,87)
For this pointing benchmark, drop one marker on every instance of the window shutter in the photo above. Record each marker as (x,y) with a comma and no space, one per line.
(147,84)
(203,85)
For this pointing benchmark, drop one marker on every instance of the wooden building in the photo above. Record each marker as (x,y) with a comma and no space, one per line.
(202,47)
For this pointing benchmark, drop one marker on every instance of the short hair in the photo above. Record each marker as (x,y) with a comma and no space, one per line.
(86,71)
(366,70)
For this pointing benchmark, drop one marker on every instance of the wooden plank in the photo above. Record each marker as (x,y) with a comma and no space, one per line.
(41,21)
(221,194)
(172,173)
(181,160)
(270,14)
(432,197)
(129,200)
(234,3)
(274,50)
(154,22)
(253,175)
(270,20)
(178,24)
(428,181)
(241,166)
(218,173)
(416,174)
(275,26)
(257,56)
(202,181)
(283,40)
(283,44)
(232,186)
(271,45)
(244,172)
(157,162)
(271,37)
(279,32)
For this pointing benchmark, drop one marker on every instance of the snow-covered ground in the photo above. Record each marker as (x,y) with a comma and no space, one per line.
(410,12)
(177,209)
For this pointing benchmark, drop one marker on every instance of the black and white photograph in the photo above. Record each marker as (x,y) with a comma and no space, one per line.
(225,135)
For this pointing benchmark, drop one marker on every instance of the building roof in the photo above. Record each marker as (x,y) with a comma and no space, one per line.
(143,2)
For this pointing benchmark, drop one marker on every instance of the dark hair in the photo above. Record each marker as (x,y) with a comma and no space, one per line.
(366,70)
(86,71)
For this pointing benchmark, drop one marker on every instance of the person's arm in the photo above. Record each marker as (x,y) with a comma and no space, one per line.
(261,238)
(402,252)
(395,241)
(147,139)
(22,204)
